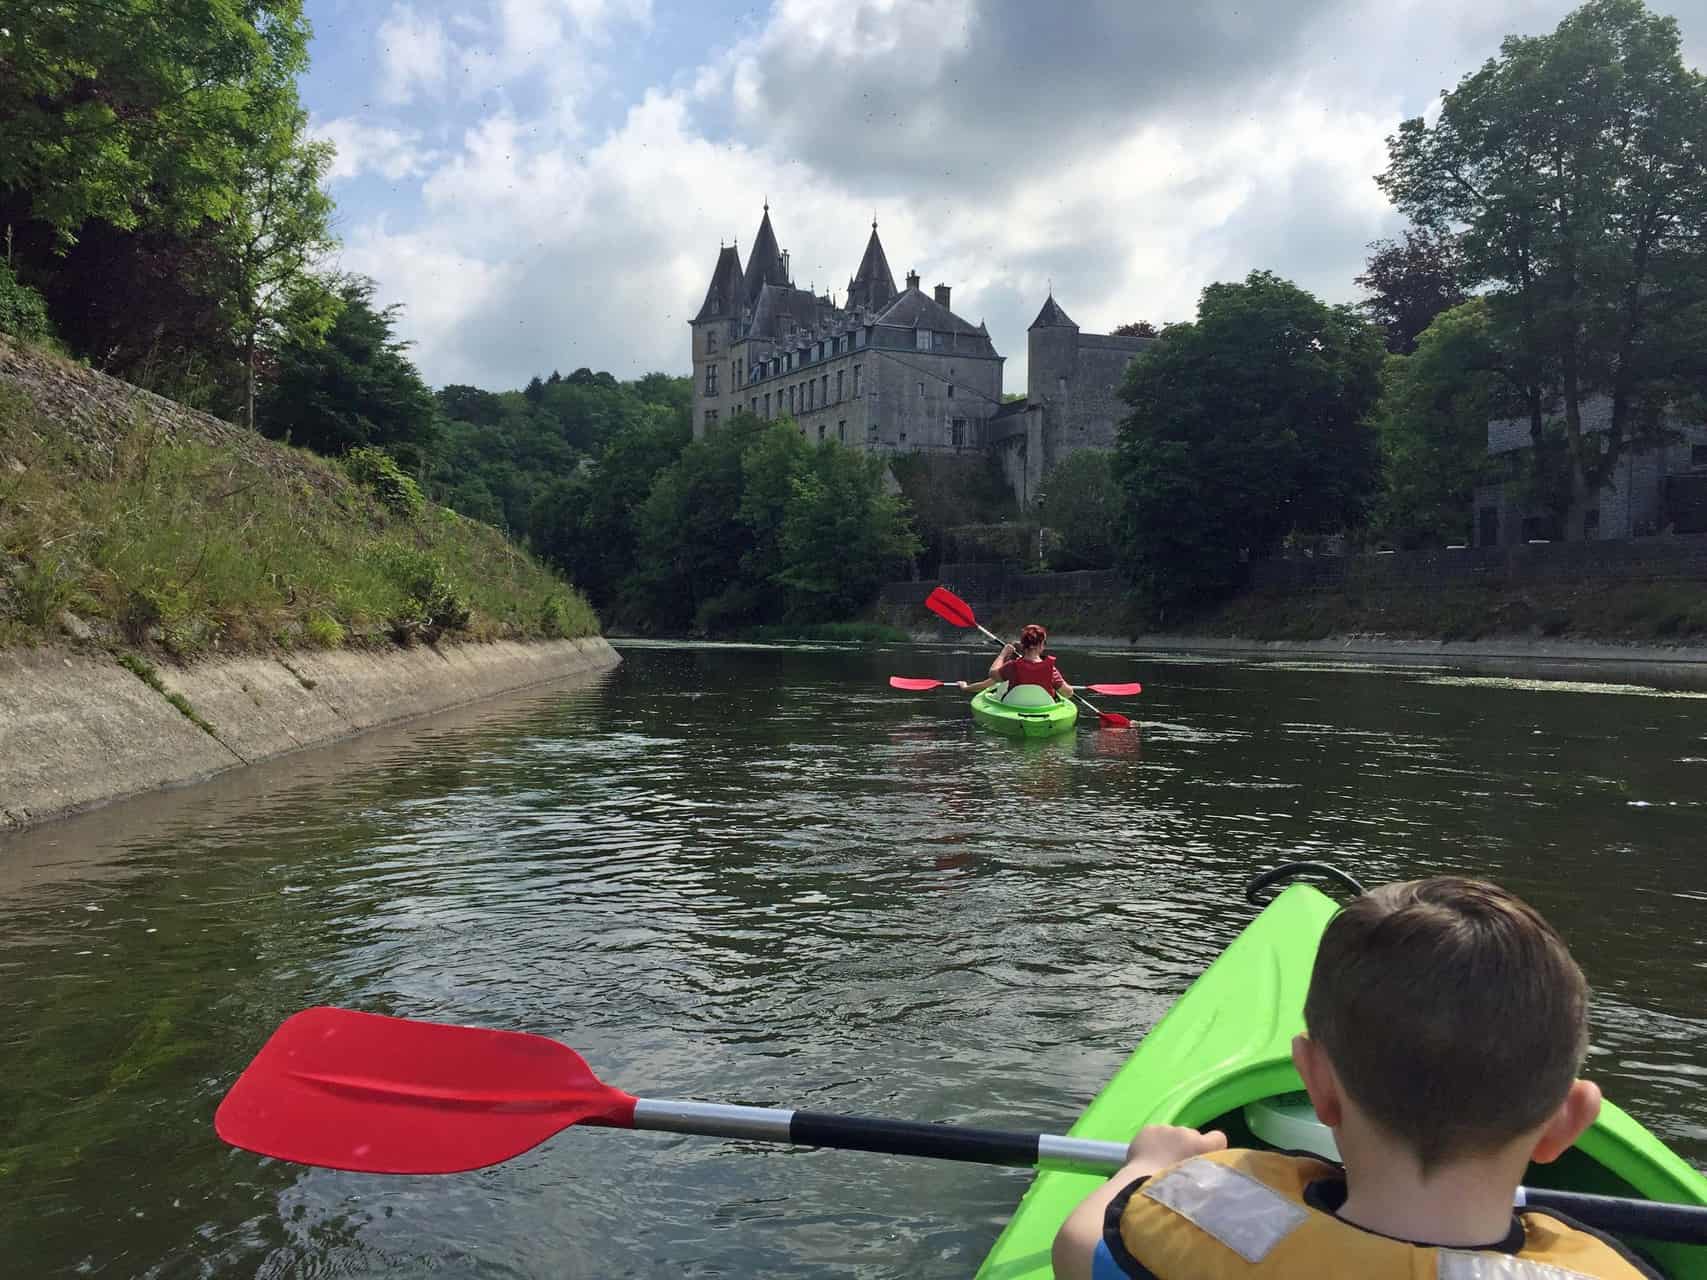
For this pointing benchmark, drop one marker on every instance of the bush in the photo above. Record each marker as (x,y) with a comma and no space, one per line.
(322,630)
(432,601)
(378,473)
(23,314)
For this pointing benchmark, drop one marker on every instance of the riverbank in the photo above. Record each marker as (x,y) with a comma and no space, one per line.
(81,727)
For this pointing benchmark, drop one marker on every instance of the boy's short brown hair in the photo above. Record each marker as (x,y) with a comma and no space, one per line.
(1452,1012)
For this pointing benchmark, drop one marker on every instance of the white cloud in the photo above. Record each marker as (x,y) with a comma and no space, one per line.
(394,154)
(414,54)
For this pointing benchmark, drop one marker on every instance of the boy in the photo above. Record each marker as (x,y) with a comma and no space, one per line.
(1446,1023)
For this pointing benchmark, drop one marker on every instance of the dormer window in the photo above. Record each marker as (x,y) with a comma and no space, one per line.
(923,338)
(710,341)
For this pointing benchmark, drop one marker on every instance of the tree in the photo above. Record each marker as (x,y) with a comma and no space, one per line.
(1137,329)
(1247,424)
(131,111)
(1081,505)
(1433,426)
(1410,282)
(1573,164)
(278,230)
(357,387)
(843,535)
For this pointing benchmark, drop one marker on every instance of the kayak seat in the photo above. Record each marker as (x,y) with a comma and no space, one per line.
(1023,695)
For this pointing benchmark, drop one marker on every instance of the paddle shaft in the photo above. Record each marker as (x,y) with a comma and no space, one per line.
(1651,1220)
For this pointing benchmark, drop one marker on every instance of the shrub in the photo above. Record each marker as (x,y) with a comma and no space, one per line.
(378,473)
(323,630)
(432,600)
(23,313)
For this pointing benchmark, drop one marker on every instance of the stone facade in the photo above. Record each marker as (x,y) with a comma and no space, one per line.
(896,370)
(1654,488)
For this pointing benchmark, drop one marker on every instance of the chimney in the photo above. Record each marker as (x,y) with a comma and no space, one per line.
(912,279)
(786,277)
(942,297)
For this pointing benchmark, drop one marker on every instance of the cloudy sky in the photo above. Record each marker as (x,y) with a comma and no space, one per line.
(544,183)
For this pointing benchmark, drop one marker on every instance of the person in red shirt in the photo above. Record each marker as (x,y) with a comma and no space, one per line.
(1025,664)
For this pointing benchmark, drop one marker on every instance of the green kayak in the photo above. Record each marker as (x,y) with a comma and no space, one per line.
(1221,1058)
(1025,712)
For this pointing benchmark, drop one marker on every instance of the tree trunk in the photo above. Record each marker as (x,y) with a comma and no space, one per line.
(249,370)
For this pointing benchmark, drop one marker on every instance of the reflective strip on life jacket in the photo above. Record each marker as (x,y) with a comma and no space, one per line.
(1247,1216)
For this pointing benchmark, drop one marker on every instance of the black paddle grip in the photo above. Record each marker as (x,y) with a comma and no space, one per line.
(911,1138)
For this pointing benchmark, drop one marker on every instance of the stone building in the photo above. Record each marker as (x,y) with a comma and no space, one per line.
(896,370)
(1655,487)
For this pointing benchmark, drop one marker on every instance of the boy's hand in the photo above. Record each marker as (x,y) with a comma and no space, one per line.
(1160,1145)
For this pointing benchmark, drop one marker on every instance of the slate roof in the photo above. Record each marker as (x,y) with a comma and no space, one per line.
(778,304)
(916,309)
(723,297)
(1052,316)
(766,264)
(873,285)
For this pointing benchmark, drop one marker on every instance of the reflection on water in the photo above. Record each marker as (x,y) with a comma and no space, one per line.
(760,875)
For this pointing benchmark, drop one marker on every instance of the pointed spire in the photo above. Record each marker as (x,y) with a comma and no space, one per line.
(767,264)
(723,296)
(873,285)
(1052,316)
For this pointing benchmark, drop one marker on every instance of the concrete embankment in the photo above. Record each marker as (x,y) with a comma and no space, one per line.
(78,728)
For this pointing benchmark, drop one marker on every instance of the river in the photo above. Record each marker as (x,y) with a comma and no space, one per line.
(760,875)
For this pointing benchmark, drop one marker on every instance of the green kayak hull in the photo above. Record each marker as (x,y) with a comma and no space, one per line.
(1024,722)
(1227,1043)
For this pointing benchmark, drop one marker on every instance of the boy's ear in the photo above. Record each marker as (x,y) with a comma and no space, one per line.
(1319,1080)
(1576,1113)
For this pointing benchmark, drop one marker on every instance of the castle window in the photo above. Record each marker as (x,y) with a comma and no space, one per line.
(859,341)
(767,404)
(1061,385)
(791,391)
(842,431)
(839,373)
(820,433)
(923,338)
(921,391)
(753,406)
(939,341)
(856,382)
(959,433)
(710,341)
(903,437)
(810,385)
(710,379)
(734,373)
(951,391)
(824,390)
(1698,455)
(710,418)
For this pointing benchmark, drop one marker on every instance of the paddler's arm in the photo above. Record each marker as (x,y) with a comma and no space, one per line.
(973,688)
(1008,653)
(1155,1148)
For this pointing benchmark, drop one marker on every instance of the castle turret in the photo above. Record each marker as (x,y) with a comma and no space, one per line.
(768,263)
(872,286)
(715,330)
(1052,353)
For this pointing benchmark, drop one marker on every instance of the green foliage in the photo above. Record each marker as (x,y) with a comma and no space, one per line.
(429,597)
(1410,282)
(1081,505)
(323,631)
(1572,164)
(23,313)
(355,387)
(1433,425)
(144,671)
(1245,425)
(378,473)
(753,525)
(134,111)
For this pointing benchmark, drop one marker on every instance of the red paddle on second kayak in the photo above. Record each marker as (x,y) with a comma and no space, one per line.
(915,684)
(360,1091)
(951,608)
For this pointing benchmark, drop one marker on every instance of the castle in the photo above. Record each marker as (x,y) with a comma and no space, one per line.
(896,370)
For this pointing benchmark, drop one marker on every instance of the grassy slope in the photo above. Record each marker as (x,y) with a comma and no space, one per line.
(151,524)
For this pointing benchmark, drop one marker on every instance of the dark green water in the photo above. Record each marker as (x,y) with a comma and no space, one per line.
(761,876)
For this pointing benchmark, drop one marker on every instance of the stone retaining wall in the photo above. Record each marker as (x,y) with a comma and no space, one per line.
(78,729)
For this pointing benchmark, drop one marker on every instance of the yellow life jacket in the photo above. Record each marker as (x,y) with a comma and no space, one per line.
(1235,1215)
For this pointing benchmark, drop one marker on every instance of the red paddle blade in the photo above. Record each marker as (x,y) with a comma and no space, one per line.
(347,1090)
(1108,720)
(1117,690)
(913,684)
(950,608)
